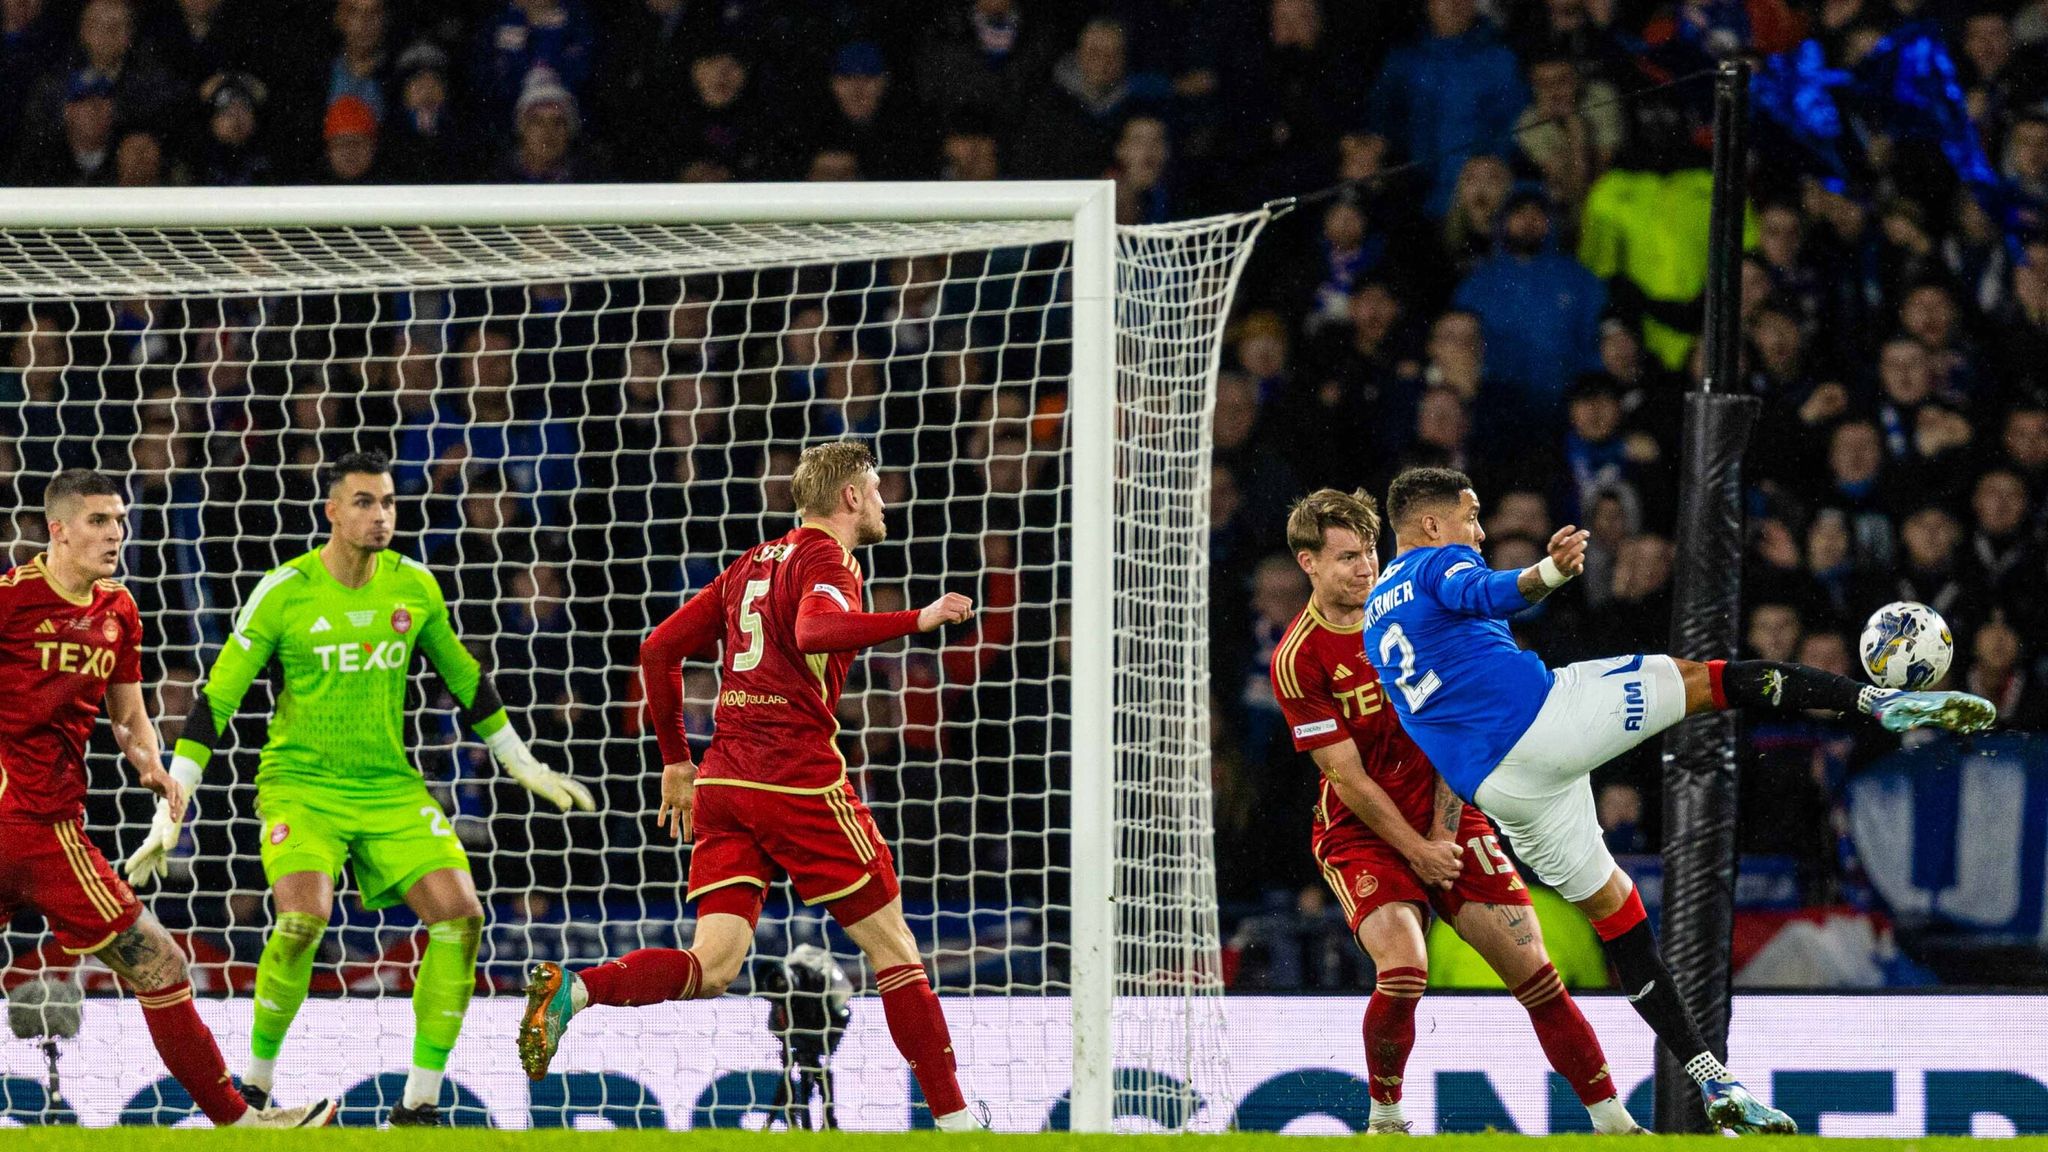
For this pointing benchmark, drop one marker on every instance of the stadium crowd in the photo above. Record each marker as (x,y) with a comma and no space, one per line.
(1516,304)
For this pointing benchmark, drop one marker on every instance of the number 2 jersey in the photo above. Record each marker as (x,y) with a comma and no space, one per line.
(775,720)
(57,656)
(1437,627)
(1330,693)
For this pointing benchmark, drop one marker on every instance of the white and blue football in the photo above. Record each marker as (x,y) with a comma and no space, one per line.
(1906,645)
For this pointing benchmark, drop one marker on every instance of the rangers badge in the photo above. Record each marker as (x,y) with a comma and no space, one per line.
(401,621)
(110,629)
(279,831)
(1367,884)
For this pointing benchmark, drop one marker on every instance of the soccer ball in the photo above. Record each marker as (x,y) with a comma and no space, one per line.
(1906,645)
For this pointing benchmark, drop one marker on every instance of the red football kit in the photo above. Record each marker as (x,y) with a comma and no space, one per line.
(772,791)
(57,656)
(1330,693)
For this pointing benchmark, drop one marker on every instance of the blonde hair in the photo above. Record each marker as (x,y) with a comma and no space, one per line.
(824,470)
(1326,508)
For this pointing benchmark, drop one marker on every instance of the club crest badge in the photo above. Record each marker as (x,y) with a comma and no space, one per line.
(401,621)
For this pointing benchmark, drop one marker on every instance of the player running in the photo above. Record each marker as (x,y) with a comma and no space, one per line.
(1389,835)
(774,793)
(1519,739)
(333,784)
(70,635)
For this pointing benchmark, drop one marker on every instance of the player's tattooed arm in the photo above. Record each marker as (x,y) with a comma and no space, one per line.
(144,955)
(1530,584)
(1450,811)
(1436,862)
(1566,560)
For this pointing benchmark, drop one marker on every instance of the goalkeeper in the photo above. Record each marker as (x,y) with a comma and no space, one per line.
(333,784)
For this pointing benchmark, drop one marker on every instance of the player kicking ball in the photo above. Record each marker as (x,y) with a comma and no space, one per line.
(1520,740)
(772,795)
(333,785)
(70,635)
(1389,834)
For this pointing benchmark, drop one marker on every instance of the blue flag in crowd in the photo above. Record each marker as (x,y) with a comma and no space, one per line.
(1907,83)
(1794,96)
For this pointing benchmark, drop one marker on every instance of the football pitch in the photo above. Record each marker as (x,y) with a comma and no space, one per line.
(46,1140)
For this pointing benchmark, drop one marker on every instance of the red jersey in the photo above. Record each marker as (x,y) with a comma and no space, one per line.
(1330,693)
(57,656)
(775,718)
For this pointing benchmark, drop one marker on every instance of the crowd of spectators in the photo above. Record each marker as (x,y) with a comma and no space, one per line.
(1522,310)
(1508,285)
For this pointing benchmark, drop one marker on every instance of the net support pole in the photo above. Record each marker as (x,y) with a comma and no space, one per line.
(1092,408)
(1699,755)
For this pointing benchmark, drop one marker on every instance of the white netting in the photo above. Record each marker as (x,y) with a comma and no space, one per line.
(589,422)
(1174,284)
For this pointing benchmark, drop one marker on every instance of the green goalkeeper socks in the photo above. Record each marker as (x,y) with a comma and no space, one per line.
(441,991)
(282,977)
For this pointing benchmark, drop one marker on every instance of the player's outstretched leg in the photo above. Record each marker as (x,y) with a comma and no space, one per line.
(149,960)
(645,976)
(1624,929)
(1779,687)
(1510,940)
(916,1022)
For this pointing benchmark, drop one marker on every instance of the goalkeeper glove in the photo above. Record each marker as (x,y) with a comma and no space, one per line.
(534,776)
(153,858)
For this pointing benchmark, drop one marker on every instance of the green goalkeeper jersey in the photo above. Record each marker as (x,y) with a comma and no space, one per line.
(346,654)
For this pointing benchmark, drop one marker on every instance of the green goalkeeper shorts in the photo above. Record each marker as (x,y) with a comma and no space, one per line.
(390,839)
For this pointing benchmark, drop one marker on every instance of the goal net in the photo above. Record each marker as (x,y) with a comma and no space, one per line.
(589,419)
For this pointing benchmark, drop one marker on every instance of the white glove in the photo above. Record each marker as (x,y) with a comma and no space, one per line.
(534,776)
(153,858)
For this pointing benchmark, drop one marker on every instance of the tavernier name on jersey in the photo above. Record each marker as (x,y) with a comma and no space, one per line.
(1437,627)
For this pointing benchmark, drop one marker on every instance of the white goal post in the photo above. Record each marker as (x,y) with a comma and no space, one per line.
(1106,337)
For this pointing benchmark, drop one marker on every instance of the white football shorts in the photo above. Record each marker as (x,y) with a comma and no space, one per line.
(1541,794)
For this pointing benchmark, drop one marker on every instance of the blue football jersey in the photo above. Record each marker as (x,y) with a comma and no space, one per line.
(1436,628)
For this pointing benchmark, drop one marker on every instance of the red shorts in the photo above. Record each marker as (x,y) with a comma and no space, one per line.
(826,841)
(1366,873)
(55,870)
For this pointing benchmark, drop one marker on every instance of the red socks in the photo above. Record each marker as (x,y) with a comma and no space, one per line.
(918,1026)
(188,1050)
(1617,923)
(1567,1039)
(1390,1029)
(645,976)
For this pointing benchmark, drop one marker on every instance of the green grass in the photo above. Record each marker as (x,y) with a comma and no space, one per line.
(560,1141)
